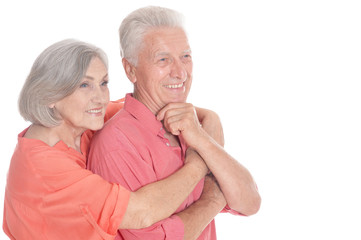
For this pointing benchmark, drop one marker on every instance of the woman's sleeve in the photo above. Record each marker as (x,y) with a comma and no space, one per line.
(113,108)
(75,194)
(107,204)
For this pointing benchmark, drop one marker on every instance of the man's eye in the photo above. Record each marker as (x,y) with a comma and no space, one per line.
(187,56)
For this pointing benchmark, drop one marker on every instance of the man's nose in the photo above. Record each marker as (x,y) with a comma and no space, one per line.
(178,70)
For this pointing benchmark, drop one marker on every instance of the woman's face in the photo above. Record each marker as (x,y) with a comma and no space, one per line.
(85,108)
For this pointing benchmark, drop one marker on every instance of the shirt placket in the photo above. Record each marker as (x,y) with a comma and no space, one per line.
(161,136)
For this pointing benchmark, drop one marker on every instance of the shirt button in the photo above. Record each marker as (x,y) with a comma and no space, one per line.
(167,144)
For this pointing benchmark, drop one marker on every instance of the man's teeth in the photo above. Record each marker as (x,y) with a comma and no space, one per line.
(174,85)
(94,111)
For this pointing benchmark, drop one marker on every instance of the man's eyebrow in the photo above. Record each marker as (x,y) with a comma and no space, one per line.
(166,53)
(161,53)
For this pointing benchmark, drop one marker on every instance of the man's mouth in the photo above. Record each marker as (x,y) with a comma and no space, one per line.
(172,86)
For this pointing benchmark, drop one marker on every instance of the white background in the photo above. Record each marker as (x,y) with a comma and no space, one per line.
(283,75)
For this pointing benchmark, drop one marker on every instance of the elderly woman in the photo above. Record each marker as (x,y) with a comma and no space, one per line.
(49,193)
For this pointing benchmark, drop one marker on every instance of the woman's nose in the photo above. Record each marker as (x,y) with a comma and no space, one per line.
(101,95)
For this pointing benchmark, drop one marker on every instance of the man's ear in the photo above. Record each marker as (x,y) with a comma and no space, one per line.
(129,70)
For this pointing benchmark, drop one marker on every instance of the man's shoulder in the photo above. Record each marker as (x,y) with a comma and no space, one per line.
(120,129)
(121,134)
(120,122)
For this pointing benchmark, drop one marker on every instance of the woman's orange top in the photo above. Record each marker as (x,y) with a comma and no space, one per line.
(50,194)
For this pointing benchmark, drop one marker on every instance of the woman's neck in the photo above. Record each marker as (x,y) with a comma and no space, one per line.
(52,135)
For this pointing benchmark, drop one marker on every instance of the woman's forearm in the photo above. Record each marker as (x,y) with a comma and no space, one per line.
(161,199)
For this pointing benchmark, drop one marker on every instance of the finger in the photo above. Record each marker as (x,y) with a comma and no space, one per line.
(179,113)
(175,128)
(162,112)
(182,123)
(171,107)
(175,124)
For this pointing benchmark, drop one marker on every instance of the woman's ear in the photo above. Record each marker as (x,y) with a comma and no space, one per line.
(129,70)
(52,105)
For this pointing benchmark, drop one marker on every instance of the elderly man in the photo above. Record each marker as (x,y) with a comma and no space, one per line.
(148,139)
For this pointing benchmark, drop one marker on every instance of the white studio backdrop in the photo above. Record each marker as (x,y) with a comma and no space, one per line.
(284,76)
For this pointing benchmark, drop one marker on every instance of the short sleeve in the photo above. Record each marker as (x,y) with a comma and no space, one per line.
(227,209)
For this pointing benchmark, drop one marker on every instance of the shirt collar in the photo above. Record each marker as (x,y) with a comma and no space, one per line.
(140,112)
(60,145)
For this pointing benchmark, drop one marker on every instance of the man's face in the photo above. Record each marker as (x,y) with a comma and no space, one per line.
(164,70)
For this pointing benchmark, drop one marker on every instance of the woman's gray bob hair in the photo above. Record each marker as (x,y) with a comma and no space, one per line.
(55,74)
(137,23)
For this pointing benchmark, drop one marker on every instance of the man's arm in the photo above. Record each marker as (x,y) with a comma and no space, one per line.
(197,216)
(234,179)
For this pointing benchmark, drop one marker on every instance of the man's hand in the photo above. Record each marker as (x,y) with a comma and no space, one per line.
(181,119)
(211,123)
(191,123)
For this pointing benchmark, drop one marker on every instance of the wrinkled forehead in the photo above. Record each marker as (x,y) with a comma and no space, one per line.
(166,40)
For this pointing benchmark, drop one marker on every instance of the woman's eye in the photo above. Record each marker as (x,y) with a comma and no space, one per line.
(105,83)
(84,85)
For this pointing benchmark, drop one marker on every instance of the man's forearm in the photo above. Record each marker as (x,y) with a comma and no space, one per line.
(234,179)
(196,217)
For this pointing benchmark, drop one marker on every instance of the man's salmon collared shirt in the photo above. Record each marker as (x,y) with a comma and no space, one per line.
(131,150)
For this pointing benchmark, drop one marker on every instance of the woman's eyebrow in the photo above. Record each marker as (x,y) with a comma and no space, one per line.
(91,78)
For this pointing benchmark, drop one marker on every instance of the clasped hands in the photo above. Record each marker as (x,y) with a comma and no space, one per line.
(194,125)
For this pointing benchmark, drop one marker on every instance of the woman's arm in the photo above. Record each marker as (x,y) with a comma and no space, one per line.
(161,199)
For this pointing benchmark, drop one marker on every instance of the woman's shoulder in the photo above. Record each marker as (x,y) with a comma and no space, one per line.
(36,152)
